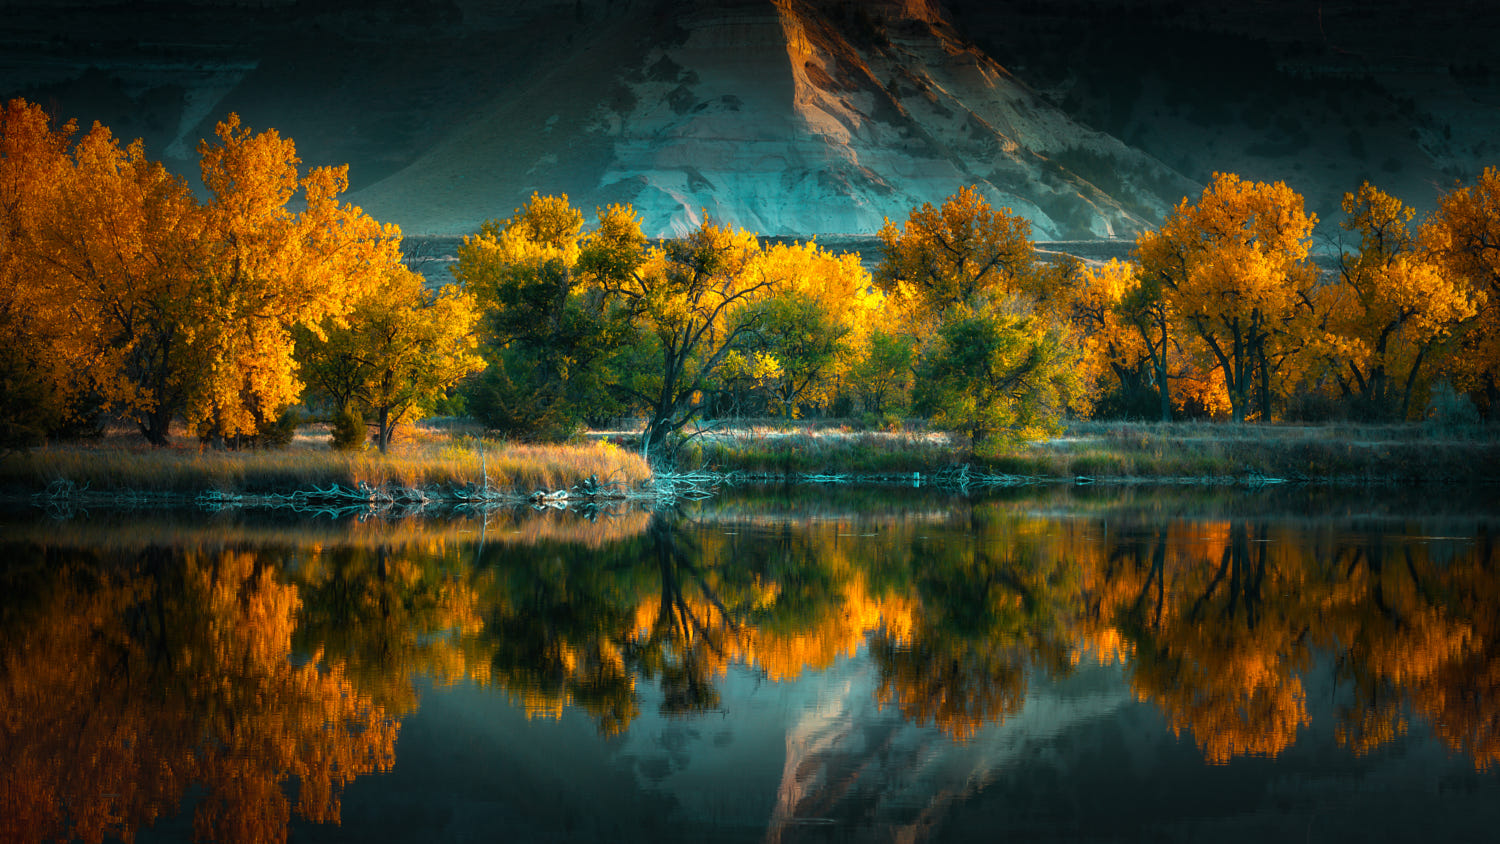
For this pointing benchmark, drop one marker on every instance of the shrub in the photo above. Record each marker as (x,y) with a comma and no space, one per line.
(1450,411)
(278,434)
(348,430)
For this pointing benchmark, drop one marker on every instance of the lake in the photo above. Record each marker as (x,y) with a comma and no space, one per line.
(773,664)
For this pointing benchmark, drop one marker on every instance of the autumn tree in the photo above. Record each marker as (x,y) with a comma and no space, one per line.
(37,364)
(1234,269)
(1121,335)
(136,297)
(958,254)
(398,352)
(690,299)
(123,239)
(549,328)
(1392,308)
(268,270)
(808,326)
(1463,236)
(995,357)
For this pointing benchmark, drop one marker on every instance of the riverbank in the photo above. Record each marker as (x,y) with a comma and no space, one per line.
(440,467)
(1193,452)
(433,467)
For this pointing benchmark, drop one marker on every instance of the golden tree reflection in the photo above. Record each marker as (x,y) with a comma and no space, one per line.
(1220,650)
(123,686)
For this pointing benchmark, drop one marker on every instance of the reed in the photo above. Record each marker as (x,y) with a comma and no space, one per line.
(460,461)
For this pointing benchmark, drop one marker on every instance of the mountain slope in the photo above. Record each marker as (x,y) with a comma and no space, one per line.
(795,117)
(783,117)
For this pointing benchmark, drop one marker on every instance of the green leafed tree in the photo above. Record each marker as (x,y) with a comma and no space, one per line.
(999,377)
(691,300)
(399,351)
(996,359)
(549,329)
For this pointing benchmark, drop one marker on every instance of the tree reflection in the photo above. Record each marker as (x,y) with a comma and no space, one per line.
(1220,649)
(1419,635)
(991,604)
(1222,618)
(123,685)
(271,678)
(392,614)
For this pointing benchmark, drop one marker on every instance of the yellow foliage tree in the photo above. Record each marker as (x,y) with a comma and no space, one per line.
(809,325)
(1234,268)
(1392,308)
(1464,237)
(957,254)
(399,351)
(1123,330)
(269,270)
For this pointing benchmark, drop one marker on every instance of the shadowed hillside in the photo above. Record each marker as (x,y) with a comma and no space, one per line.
(789,117)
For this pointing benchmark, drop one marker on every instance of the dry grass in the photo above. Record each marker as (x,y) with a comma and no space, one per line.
(1369,453)
(810,449)
(116,463)
(430,457)
(1120,450)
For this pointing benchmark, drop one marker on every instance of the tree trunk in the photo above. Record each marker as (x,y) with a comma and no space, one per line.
(1161,389)
(1160,359)
(157,428)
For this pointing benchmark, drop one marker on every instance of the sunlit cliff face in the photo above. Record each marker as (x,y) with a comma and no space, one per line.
(789,117)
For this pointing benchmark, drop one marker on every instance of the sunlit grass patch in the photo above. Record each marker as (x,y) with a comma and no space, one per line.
(807,451)
(460,461)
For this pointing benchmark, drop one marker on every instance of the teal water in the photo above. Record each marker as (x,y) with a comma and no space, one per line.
(771,665)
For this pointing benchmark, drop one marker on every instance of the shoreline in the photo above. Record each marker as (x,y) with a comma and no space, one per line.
(465,473)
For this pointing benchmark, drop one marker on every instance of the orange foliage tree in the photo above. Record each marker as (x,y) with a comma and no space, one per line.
(1464,237)
(133,296)
(1392,307)
(270,270)
(123,240)
(40,363)
(1234,269)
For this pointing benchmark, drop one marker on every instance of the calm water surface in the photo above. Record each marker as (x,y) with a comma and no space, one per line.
(812,665)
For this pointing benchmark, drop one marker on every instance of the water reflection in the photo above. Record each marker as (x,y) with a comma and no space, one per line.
(128,682)
(259,668)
